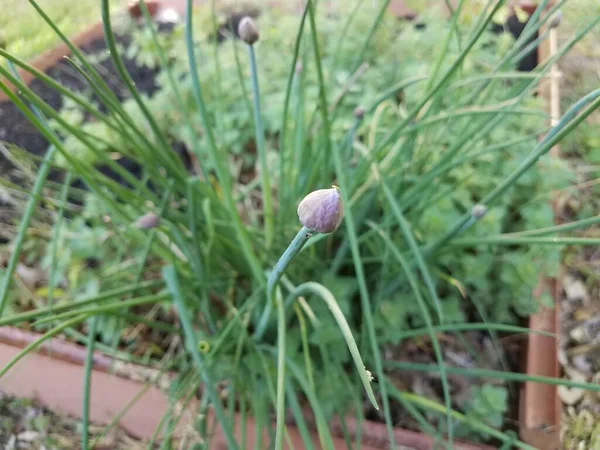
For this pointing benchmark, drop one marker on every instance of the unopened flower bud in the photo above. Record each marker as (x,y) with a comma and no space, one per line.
(147,221)
(247,31)
(479,211)
(555,20)
(322,210)
(359,112)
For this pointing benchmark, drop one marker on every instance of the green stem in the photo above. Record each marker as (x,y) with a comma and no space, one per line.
(24,226)
(166,67)
(431,405)
(280,423)
(444,50)
(474,372)
(105,308)
(456,327)
(29,211)
(304,340)
(262,152)
(87,383)
(72,303)
(290,253)
(223,175)
(166,153)
(575,225)
(286,105)
(39,341)
(526,240)
(55,238)
(378,19)
(172,283)
(327,296)
(412,281)
(566,124)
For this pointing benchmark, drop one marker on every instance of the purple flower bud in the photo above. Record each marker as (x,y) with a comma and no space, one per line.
(247,31)
(555,20)
(479,211)
(359,112)
(322,210)
(147,221)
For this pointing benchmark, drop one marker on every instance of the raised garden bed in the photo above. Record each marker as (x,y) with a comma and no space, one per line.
(409,351)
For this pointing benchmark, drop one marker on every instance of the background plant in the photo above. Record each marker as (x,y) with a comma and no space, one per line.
(447,122)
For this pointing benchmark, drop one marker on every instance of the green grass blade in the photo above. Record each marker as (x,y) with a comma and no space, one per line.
(566,124)
(222,174)
(77,303)
(349,223)
(174,85)
(172,283)
(56,238)
(280,407)
(87,384)
(261,148)
(326,295)
(24,226)
(431,405)
(105,308)
(372,29)
(39,341)
(177,170)
(456,327)
(527,240)
(299,418)
(424,311)
(497,374)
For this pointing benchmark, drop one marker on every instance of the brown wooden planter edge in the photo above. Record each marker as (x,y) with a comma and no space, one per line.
(540,406)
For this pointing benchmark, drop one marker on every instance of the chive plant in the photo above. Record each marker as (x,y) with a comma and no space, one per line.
(409,126)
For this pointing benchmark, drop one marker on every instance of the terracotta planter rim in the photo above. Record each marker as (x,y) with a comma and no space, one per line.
(63,360)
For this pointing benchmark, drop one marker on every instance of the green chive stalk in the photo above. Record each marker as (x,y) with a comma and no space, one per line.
(249,34)
(290,253)
(87,384)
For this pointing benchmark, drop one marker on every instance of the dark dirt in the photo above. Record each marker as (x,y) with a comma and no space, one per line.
(28,426)
(458,352)
(16,130)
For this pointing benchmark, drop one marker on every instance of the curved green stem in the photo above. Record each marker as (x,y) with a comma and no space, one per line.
(262,153)
(324,293)
(39,341)
(290,253)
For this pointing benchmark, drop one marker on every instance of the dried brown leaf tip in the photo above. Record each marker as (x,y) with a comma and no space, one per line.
(248,31)
(322,210)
